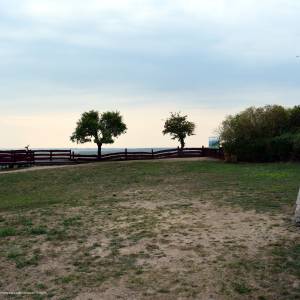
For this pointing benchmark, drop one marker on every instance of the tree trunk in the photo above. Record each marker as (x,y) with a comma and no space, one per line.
(99,150)
(182,144)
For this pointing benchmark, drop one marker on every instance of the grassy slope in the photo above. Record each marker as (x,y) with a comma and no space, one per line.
(39,208)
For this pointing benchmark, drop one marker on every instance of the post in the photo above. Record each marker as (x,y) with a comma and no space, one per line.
(126,154)
(297,212)
(30,156)
(203,150)
(50,155)
(70,155)
(152,154)
(178,151)
(12,159)
(33,157)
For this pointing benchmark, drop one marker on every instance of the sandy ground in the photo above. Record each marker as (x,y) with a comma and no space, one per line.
(167,247)
(36,168)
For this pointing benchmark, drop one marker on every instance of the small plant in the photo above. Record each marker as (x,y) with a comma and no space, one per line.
(7,231)
(241,288)
(73,221)
(37,230)
(20,259)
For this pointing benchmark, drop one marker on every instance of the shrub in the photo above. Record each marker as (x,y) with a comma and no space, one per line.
(270,133)
(7,231)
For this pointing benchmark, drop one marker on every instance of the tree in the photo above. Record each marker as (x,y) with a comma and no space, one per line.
(179,128)
(294,118)
(265,133)
(101,128)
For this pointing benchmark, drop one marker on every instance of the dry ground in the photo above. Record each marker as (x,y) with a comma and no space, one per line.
(173,237)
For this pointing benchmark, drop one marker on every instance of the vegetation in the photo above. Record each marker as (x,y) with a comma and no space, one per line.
(101,128)
(270,133)
(179,128)
(151,230)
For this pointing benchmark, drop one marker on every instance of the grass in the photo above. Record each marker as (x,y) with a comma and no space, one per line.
(256,186)
(152,230)
(7,231)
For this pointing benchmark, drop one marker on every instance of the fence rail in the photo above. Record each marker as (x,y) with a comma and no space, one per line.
(22,157)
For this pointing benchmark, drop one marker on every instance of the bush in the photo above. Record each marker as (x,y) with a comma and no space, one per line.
(270,133)
(282,147)
(296,146)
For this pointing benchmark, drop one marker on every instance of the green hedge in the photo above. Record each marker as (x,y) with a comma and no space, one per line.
(269,133)
(280,148)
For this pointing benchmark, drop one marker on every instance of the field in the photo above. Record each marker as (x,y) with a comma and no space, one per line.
(151,230)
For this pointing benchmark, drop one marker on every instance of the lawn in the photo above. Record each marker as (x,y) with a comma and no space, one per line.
(151,230)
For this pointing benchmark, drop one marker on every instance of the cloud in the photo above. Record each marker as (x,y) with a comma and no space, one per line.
(69,55)
(241,30)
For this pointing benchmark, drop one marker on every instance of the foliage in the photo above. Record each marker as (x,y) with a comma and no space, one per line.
(179,128)
(294,118)
(269,133)
(99,128)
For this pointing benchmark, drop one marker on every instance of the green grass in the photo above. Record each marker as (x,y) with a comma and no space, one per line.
(287,258)
(256,186)
(7,231)
(98,225)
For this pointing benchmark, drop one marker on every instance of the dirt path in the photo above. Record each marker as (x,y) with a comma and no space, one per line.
(37,168)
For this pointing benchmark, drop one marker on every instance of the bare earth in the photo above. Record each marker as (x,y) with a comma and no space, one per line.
(151,245)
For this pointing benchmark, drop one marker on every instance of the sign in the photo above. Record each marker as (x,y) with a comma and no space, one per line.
(213,142)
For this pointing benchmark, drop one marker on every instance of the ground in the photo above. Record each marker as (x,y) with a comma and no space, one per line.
(151,230)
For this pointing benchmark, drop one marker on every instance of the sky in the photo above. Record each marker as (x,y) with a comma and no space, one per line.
(144,58)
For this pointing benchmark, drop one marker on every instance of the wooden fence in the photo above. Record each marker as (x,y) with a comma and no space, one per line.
(24,157)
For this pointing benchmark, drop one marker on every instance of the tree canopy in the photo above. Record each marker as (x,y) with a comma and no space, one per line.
(265,133)
(179,128)
(99,128)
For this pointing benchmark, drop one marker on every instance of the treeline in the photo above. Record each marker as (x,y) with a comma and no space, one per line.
(264,134)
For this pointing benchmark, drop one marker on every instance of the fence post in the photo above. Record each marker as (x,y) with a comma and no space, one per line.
(33,157)
(125,153)
(178,153)
(152,154)
(12,158)
(203,151)
(50,155)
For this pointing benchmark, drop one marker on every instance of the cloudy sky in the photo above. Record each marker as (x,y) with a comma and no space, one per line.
(146,58)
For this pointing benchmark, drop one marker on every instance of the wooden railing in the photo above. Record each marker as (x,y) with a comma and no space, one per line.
(22,157)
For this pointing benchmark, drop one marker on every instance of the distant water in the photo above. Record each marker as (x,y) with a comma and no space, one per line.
(93,151)
(112,150)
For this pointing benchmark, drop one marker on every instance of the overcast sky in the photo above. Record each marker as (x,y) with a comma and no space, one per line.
(146,58)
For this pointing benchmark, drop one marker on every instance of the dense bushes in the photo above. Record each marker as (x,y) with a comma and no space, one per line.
(269,133)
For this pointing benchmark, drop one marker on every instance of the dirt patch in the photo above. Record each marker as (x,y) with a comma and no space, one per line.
(144,243)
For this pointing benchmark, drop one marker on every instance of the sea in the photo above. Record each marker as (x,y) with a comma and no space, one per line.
(93,151)
(112,150)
